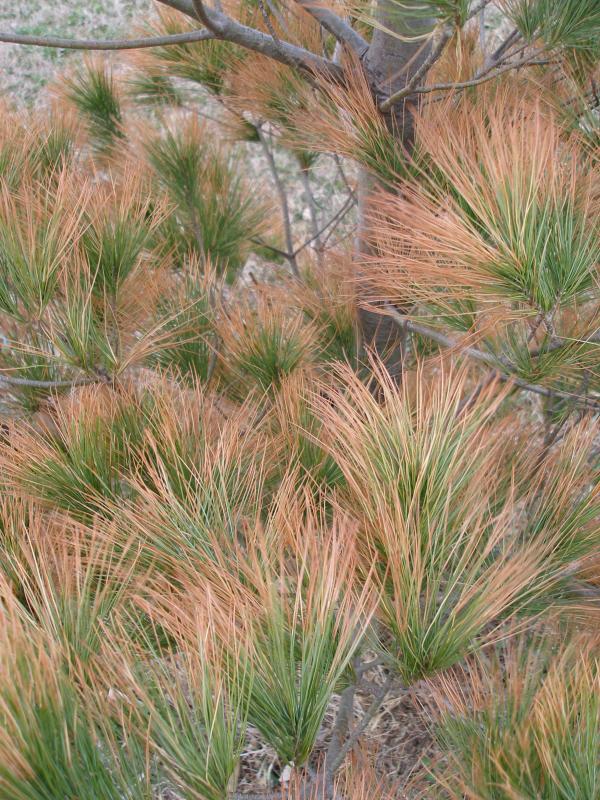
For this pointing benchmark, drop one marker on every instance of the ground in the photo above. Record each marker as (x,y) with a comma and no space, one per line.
(25,70)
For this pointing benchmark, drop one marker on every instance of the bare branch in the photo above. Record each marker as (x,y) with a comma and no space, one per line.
(333,221)
(106,44)
(503,367)
(230,30)
(218,26)
(10,380)
(269,24)
(511,39)
(283,201)
(312,207)
(212,25)
(478,8)
(336,26)
(355,734)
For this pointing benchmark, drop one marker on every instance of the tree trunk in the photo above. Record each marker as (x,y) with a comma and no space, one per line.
(390,63)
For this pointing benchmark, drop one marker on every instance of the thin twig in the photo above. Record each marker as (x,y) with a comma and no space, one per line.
(277,250)
(408,64)
(340,239)
(278,16)
(477,9)
(512,37)
(444,37)
(554,431)
(312,208)
(283,201)
(498,62)
(343,176)
(219,26)
(559,343)
(333,221)
(468,402)
(443,87)
(269,24)
(212,24)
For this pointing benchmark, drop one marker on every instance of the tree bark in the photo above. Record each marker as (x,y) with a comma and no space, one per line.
(389,63)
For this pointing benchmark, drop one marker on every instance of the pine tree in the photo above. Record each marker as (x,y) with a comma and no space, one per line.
(267,505)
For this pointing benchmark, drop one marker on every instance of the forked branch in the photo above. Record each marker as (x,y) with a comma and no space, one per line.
(443,87)
(436,51)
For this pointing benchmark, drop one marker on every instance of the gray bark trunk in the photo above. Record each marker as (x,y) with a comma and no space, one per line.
(390,63)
